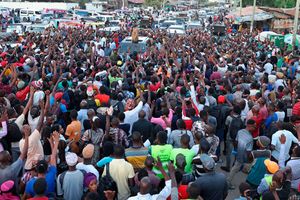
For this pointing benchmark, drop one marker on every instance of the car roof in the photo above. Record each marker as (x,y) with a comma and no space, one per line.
(176,26)
(141,38)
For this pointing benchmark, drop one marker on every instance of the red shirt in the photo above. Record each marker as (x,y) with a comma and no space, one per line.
(154,88)
(296,109)
(215,76)
(103,98)
(258,120)
(39,198)
(21,95)
(188,124)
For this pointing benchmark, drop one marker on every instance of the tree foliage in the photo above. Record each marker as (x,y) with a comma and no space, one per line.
(272,3)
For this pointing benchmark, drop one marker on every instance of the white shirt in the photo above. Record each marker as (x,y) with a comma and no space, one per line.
(278,82)
(268,68)
(164,194)
(195,148)
(280,115)
(87,169)
(103,42)
(100,52)
(33,122)
(131,116)
(276,142)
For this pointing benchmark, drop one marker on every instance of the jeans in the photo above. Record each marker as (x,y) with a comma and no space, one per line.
(15,153)
(229,148)
(220,134)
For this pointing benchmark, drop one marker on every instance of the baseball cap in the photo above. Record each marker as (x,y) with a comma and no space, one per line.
(271,166)
(264,141)
(7,186)
(221,99)
(207,162)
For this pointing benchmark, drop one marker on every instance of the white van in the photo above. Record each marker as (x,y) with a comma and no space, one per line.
(27,15)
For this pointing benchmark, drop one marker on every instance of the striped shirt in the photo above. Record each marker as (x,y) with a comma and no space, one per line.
(136,156)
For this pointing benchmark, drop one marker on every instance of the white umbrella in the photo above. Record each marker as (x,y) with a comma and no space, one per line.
(265,35)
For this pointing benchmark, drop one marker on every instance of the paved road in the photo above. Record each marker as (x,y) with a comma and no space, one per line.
(238,178)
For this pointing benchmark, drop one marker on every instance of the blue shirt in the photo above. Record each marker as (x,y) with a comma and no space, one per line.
(270,119)
(50,179)
(104,161)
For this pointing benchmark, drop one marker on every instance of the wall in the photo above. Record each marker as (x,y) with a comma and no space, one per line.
(38,5)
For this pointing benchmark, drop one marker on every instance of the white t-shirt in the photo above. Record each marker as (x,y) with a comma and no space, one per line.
(280,115)
(290,138)
(87,169)
(268,68)
(278,82)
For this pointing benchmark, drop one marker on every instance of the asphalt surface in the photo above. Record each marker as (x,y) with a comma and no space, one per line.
(238,178)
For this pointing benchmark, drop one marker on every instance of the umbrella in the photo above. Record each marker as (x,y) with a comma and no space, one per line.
(265,35)
(289,39)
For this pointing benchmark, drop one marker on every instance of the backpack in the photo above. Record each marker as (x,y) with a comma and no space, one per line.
(216,111)
(236,124)
(106,181)
(13,132)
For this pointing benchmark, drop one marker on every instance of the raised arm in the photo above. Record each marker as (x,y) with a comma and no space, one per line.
(29,103)
(27,132)
(47,102)
(54,145)
(41,119)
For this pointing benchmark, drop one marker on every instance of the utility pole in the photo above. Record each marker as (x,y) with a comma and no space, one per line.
(241,6)
(296,23)
(252,18)
(234,5)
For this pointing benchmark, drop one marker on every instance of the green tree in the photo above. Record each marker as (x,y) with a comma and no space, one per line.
(272,3)
(155,3)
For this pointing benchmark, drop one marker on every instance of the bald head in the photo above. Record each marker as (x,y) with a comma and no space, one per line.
(145,185)
(142,114)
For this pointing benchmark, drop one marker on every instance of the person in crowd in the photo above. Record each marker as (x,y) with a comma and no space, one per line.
(143,126)
(86,165)
(258,169)
(145,185)
(79,103)
(121,172)
(46,171)
(185,151)
(8,191)
(216,186)
(161,150)
(175,136)
(70,183)
(271,168)
(40,187)
(275,142)
(244,146)
(137,153)
(244,189)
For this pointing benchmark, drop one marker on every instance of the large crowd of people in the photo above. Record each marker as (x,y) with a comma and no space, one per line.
(81,121)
